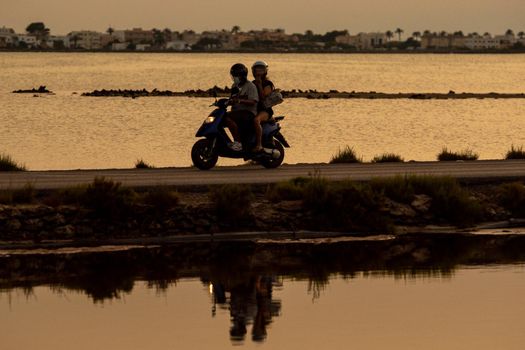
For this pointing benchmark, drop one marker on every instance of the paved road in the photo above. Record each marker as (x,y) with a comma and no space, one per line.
(491,169)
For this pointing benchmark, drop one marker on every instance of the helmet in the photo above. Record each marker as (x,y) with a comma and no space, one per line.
(262,64)
(239,70)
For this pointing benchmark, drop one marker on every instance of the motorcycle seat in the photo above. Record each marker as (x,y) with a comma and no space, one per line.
(275,119)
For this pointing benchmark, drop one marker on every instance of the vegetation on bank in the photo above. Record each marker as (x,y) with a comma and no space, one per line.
(346,155)
(7,163)
(350,204)
(104,208)
(515,152)
(388,158)
(142,164)
(448,155)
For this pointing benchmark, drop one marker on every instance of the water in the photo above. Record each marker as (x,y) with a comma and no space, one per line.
(67,131)
(469,308)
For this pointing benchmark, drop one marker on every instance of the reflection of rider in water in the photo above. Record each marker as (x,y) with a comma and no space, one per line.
(250,302)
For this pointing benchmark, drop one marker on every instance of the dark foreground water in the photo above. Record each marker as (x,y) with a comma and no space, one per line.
(415,295)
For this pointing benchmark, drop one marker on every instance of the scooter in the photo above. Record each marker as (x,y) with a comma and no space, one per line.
(214,141)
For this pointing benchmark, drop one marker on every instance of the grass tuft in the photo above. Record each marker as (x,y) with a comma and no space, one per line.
(233,203)
(448,155)
(512,198)
(160,199)
(107,199)
(287,190)
(346,155)
(388,158)
(141,164)
(515,152)
(24,195)
(7,163)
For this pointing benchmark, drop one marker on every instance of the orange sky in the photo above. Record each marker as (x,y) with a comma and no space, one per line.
(294,15)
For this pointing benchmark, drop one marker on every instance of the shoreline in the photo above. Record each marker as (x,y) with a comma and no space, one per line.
(306,52)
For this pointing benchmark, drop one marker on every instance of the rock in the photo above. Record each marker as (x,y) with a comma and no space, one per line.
(399,209)
(421,203)
(66,231)
(84,231)
(290,206)
(13,225)
(33,224)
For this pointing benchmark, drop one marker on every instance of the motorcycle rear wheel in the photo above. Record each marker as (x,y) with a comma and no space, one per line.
(202,157)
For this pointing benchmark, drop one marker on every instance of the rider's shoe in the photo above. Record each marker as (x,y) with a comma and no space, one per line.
(235,146)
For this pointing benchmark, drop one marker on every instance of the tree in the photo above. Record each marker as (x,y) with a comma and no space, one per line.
(158,37)
(459,33)
(509,32)
(521,35)
(75,39)
(399,31)
(427,32)
(38,29)
(416,35)
(110,31)
(235,29)
(389,35)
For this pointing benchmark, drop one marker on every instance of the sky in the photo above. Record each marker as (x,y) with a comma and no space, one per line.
(63,16)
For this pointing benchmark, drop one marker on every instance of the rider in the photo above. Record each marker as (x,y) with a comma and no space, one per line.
(264,88)
(244,103)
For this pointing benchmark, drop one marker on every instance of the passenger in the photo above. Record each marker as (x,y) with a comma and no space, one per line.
(264,87)
(244,103)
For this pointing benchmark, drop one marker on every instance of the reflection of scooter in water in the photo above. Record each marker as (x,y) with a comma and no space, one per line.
(250,303)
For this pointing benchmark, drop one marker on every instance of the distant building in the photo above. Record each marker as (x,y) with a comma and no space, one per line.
(478,42)
(443,41)
(119,46)
(7,37)
(142,47)
(57,42)
(29,40)
(106,40)
(190,37)
(85,39)
(506,41)
(363,41)
(134,36)
(177,45)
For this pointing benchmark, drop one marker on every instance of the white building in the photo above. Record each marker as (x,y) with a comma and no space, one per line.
(363,41)
(85,39)
(478,42)
(177,45)
(142,47)
(58,42)
(29,40)
(119,46)
(7,36)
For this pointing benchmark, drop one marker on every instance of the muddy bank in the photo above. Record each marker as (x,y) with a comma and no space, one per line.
(105,211)
(309,94)
(106,274)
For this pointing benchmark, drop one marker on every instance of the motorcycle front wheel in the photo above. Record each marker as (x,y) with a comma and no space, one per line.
(271,163)
(202,156)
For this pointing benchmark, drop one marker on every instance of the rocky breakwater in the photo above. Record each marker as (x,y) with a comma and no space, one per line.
(308,93)
(41,90)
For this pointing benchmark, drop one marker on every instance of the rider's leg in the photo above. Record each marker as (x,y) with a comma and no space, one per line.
(234,129)
(261,117)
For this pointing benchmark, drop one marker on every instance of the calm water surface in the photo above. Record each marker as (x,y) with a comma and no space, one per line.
(470,308)
(66,131)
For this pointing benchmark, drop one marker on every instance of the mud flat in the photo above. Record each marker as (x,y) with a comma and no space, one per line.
(310,94)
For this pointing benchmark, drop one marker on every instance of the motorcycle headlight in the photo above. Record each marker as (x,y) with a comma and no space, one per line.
(209,120)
